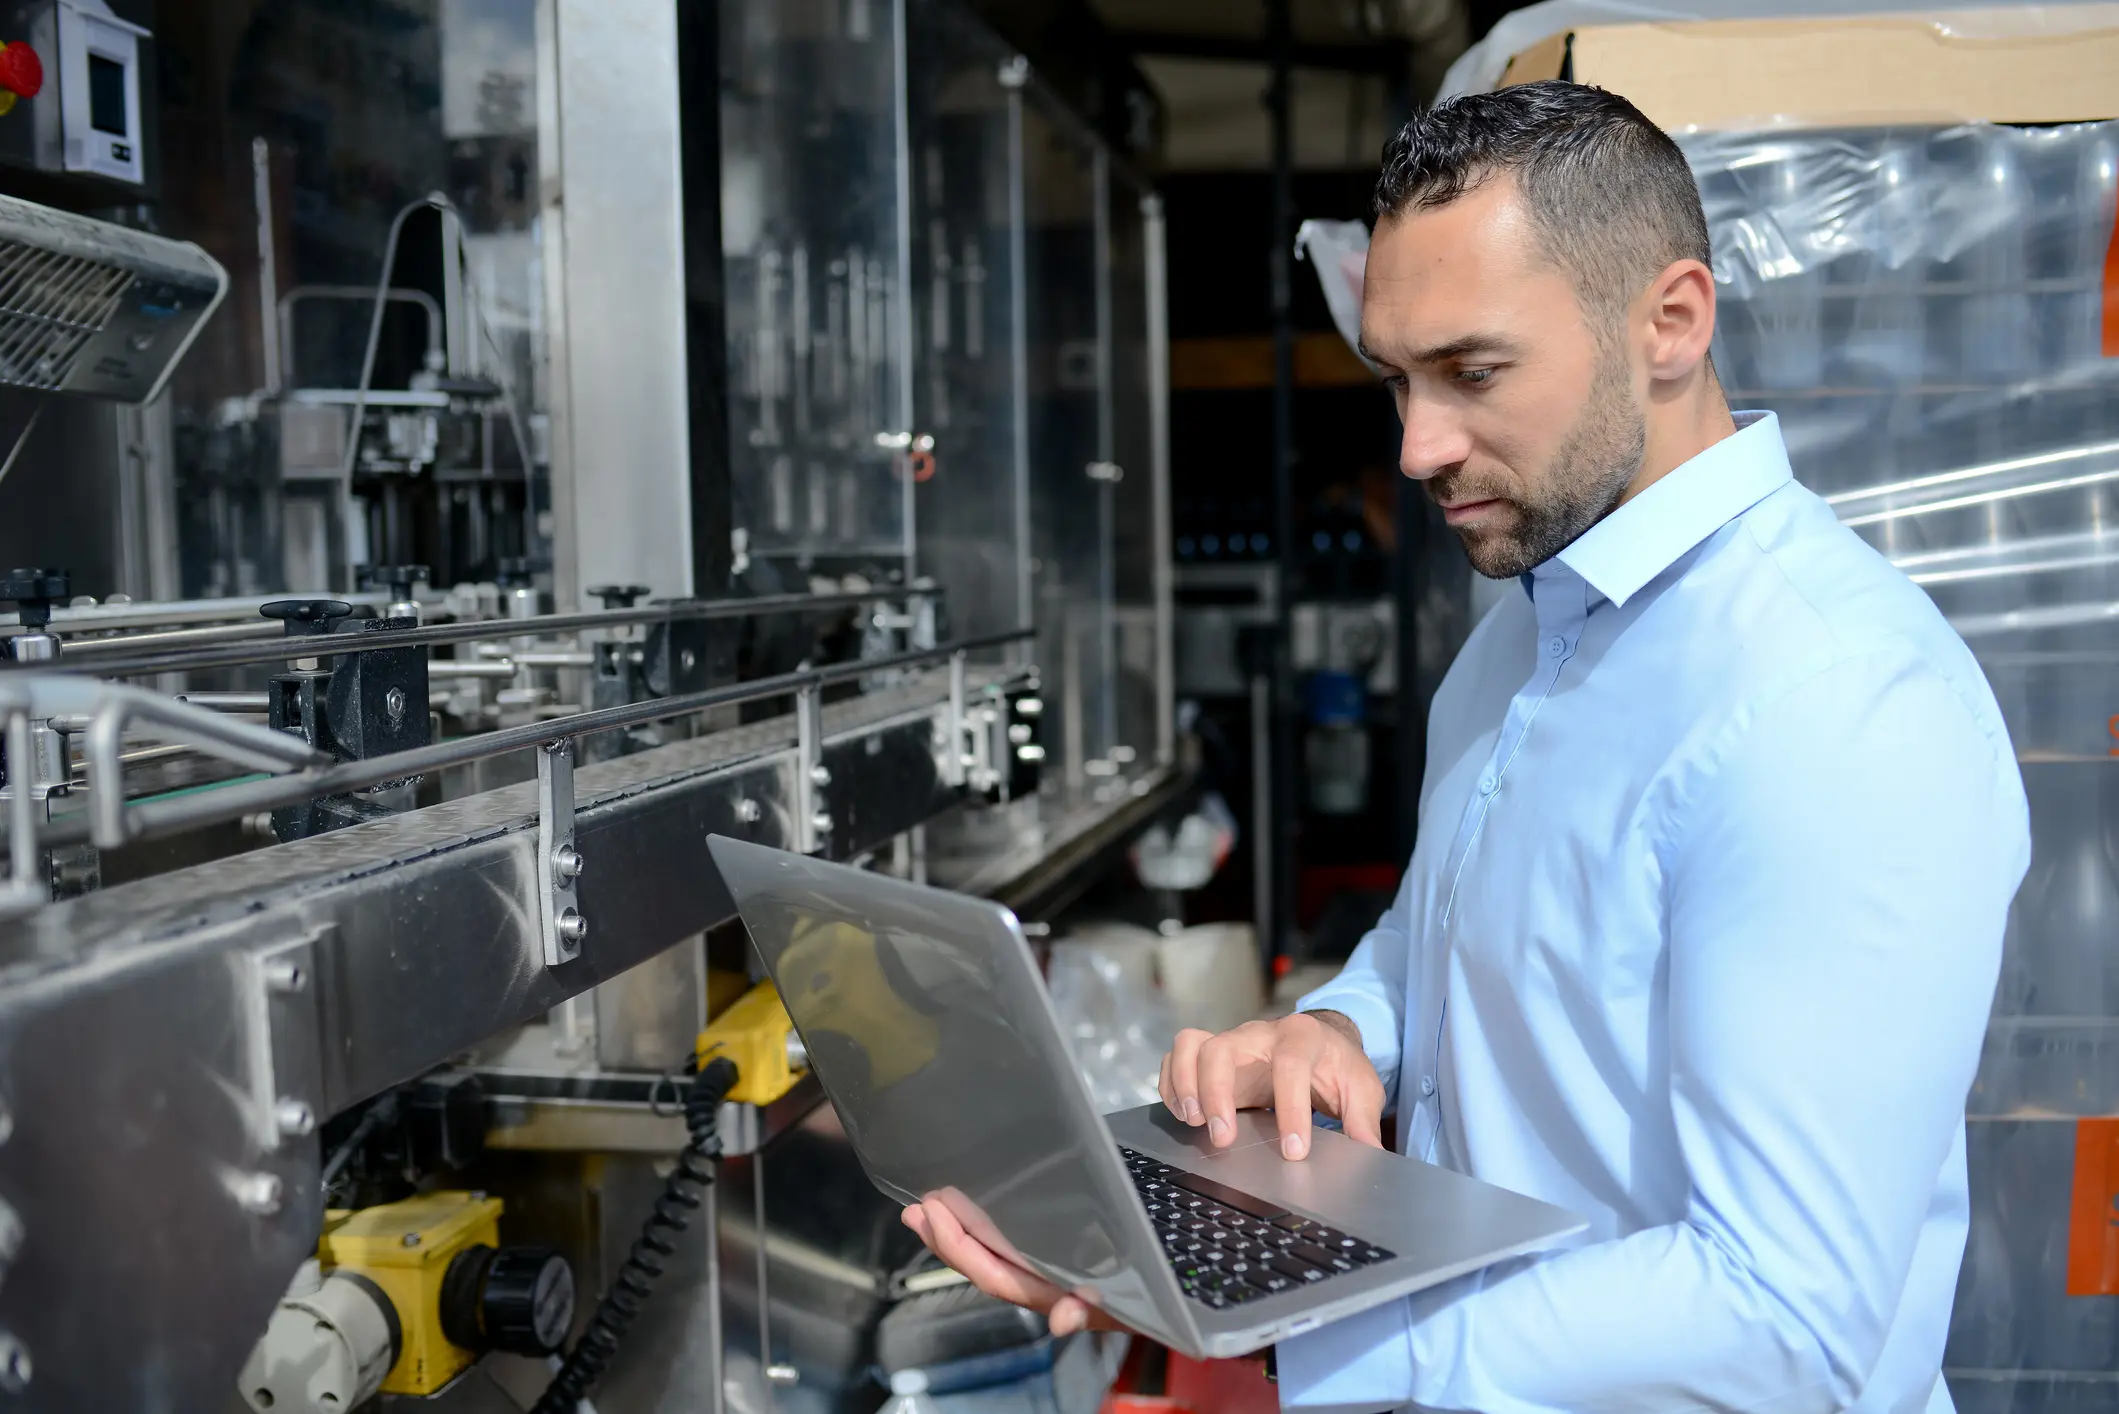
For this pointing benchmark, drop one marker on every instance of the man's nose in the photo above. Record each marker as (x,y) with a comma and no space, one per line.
(1434,441)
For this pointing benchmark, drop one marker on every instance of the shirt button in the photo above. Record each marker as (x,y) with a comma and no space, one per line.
(1556,647)
(1427,1084)
(1488,785)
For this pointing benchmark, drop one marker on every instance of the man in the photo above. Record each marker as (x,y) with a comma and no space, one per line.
(1717,841)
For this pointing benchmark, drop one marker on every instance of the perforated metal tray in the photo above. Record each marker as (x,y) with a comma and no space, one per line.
(94,308)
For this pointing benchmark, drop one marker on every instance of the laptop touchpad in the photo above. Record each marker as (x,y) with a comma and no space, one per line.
(1252,1127)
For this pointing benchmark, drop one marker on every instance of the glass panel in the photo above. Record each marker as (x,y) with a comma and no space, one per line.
(1069,507)
(972,511)
(810,235)
(261,505)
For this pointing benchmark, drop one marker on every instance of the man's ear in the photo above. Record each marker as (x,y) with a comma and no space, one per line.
(1678,309)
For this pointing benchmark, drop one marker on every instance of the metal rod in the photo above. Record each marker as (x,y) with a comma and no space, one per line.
(765,1320)
(268,263)
(176,638)
(1283,828)
(152,818)
(1013,75)
(24,888)
(228,701)
(716,1343)
(1153,233)
(428,635)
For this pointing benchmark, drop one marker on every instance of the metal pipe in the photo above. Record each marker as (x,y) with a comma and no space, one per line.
(1282,829)
(1013,75)
(428,635)
(227,701)
(1153,235)
(152,818)
(79,648)
(401,295)
(498,669)
(268,264)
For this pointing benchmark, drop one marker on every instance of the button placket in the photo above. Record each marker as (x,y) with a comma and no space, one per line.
(1562,607)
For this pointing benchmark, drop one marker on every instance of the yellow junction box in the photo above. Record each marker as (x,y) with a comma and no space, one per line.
(753,1033)
(405,1248)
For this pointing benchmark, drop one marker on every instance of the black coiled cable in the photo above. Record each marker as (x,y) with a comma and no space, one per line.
(681,1196)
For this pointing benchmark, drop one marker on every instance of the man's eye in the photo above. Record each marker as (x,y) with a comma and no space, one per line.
(1475,376)
(1395,383)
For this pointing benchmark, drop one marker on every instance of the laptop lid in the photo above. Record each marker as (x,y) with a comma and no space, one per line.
(929,1027)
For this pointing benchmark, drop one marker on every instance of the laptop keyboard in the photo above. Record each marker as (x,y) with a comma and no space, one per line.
(1228,1247)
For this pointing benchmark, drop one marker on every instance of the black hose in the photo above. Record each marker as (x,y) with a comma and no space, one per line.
(681,1196)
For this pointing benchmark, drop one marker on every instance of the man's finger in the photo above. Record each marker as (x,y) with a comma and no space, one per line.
(1218,1059)
(1361,1105)
(981,1266)
(1294,1065)
(1184,1074)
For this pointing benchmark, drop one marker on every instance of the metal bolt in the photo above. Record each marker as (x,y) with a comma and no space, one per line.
(410,1239)
(687,660)
(394,704)
(567,863)
(782,1376)
(822,821)
(820,775)
(749,811)
(284,975)
(572,926)
(294,1117)
(15,1367)
(260,1193)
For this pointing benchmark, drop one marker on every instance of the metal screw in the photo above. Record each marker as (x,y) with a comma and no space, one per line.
(394,704)
(15,1367)
(782,1376)
(820,775)
(294,1117)
(687,660)
(260,1193)
(410,1239)
(567,863)
(284,975)
(822,821)
(749,811)
(572,926)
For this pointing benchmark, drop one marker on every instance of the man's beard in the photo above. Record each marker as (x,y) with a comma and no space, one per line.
(1587,476)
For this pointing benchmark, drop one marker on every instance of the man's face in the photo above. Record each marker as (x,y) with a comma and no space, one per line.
(1524,426)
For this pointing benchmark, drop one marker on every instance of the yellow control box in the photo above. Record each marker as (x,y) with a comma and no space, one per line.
(405,1248)
(754,1033)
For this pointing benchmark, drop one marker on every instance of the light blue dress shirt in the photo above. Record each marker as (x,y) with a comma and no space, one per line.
(1717,840)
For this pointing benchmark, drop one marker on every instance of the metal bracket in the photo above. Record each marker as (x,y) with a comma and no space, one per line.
(812,821)
(558,862)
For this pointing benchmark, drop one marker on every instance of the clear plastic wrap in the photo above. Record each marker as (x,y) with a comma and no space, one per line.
(1923,307)
(1103,989)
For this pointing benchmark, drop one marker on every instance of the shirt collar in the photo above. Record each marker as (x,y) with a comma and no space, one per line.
(1624,551)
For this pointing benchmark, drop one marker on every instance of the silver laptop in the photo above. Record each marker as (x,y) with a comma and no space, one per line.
(929,1027)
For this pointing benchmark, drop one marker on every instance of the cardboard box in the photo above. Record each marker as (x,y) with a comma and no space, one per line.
(2034,64)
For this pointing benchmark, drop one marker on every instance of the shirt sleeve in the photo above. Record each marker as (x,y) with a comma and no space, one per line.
(1837,892)
(1371,990)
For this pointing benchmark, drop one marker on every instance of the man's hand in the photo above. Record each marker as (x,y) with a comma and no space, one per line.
(1312,1059)
(982,1258)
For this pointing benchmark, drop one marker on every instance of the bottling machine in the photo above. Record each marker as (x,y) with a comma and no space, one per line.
(738,419)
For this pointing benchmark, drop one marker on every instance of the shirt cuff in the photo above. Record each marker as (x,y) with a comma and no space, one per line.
(1377,1022)
(1361,1365)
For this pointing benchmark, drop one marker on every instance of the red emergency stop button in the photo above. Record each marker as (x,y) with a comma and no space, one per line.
(21,71)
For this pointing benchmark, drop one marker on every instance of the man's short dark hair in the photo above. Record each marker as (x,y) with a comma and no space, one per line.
(1611,195)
